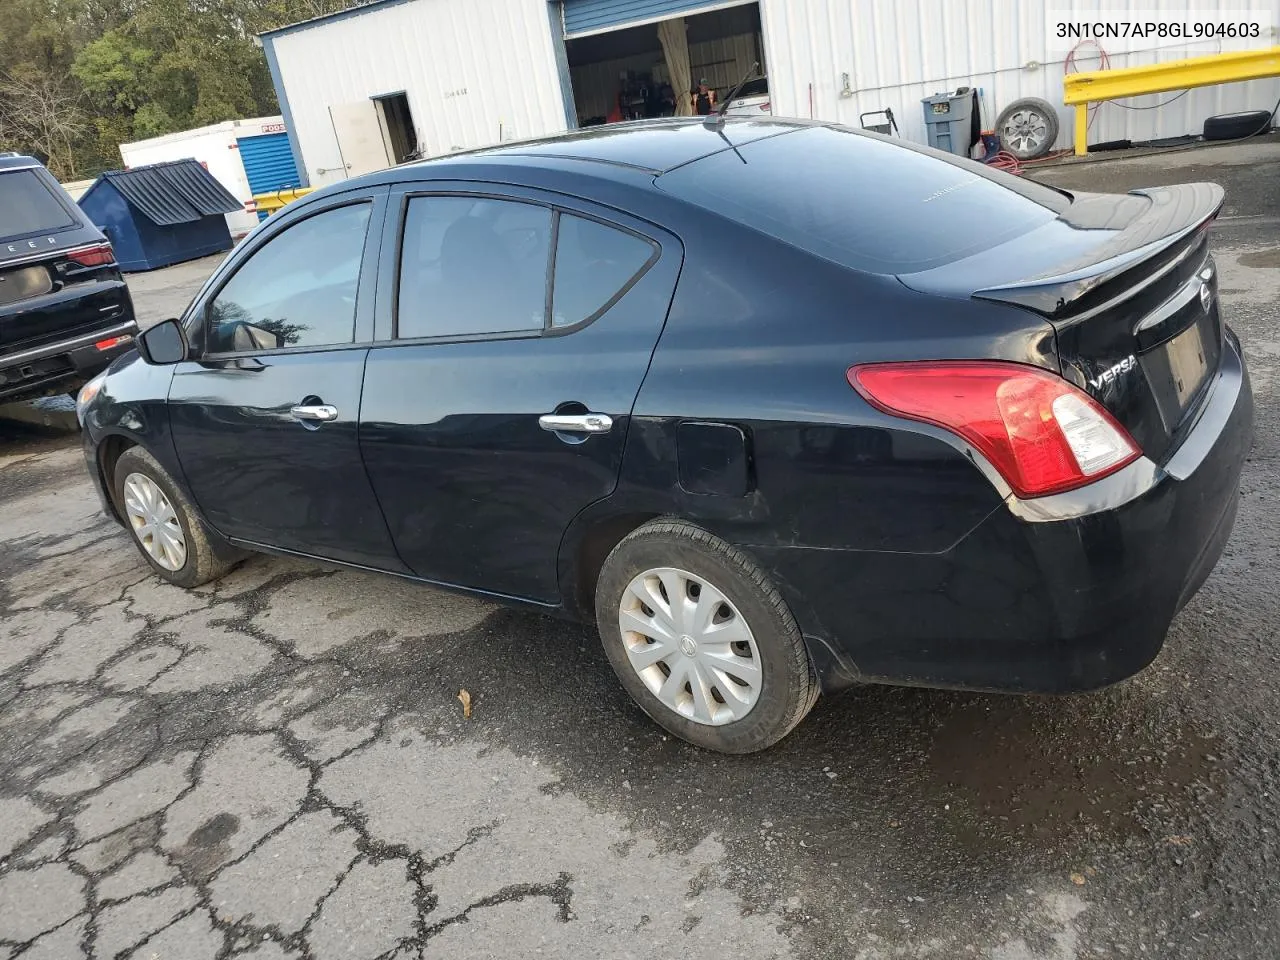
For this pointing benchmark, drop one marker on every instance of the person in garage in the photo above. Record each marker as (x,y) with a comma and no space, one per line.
(704,99)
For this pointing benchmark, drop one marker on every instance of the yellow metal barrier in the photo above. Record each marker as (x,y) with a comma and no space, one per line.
(271,202)
(1081,89)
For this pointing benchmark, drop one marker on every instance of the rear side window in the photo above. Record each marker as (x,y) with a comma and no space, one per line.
(473,265)
(866,203)
(297,290)
(595,265)
(28,206)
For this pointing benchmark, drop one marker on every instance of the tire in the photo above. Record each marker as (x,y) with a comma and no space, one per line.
(200,563)
(787,686)
(1032,128)
(1237,126)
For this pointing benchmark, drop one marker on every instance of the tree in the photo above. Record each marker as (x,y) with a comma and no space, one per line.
(79,77)
(42,114)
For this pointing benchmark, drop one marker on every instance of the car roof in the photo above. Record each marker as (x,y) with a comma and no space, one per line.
(653,146)
(16,161)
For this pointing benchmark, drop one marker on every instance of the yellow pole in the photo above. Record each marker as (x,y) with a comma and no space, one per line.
(1082,129)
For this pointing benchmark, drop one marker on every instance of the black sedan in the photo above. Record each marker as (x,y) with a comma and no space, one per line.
(781,407)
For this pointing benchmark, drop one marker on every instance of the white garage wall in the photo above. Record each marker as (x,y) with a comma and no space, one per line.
(898,51)
(468,69)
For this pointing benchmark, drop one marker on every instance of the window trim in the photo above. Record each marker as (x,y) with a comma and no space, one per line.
(203,313)
(547,329)
(517,334)
(655,252)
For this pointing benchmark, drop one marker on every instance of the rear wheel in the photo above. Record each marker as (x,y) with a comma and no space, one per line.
(165,527)
(702,640)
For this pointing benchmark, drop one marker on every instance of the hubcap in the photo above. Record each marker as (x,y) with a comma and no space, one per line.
(154,521)
(690,646)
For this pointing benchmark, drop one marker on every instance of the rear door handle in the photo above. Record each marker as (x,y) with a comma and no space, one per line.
(314,413)
(576,422)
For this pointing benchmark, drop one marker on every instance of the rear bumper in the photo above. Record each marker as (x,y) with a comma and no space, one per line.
(34,371)
(1056,595)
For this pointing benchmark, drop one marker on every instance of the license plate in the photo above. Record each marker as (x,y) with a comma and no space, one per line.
(1188,363)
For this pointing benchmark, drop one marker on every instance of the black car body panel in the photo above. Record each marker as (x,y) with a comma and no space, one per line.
(903,553)
(53,309)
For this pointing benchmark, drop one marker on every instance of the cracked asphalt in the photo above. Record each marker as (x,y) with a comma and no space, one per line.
(277,765)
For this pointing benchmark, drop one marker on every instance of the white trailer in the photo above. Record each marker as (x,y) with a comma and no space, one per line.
(245,156)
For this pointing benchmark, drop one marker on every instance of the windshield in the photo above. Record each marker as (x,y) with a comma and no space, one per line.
(865,202)
(28,206)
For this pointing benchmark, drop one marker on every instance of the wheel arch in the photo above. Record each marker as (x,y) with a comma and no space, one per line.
(110,449)
(590,539)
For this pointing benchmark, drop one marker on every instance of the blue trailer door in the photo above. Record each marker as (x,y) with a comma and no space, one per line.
(268,164)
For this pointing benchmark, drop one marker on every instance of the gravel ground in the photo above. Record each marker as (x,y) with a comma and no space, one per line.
(278,765)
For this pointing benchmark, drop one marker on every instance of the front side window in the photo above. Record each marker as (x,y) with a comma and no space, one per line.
(296,290)
(473,265)
(595,264)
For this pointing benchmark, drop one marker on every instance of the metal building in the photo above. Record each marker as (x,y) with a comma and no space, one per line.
(397,79)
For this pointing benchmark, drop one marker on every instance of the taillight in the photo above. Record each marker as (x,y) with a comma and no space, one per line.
(1042,434)
(111,342)
(95,256)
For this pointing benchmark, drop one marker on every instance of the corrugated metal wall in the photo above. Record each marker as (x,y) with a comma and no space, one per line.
(469,70)
(896,52)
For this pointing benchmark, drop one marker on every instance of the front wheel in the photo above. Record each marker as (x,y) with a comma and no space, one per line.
(165,527)
(702,640)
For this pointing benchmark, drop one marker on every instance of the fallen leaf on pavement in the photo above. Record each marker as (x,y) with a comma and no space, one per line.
(465,699)
(1078,879)
(1178,840)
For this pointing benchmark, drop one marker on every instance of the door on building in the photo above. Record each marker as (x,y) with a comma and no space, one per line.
(374,134)
(268,164)
(632,59)
(358,128)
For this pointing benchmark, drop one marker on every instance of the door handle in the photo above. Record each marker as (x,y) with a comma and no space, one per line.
(315,413)
(576,422)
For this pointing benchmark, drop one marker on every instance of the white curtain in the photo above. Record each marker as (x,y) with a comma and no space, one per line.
(675,47)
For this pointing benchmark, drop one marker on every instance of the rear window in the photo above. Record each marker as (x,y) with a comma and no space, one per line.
(28,206)
(863,202)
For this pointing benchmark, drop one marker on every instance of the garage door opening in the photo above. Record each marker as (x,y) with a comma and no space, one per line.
(652,70)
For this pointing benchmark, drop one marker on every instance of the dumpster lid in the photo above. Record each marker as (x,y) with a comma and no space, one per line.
(180,191)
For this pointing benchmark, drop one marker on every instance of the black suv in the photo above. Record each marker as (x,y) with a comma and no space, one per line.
(65,312)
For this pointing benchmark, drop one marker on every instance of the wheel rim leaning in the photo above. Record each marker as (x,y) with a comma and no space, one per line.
(1025,132)
(690,646)
(154,521)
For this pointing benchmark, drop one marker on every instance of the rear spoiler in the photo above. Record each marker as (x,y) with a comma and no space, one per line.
(1169,229)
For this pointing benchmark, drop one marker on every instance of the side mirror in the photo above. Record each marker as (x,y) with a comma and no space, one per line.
(164,343)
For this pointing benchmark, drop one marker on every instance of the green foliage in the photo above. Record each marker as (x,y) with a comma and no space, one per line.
(79,77)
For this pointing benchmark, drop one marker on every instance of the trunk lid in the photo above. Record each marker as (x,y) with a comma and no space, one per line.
(1130,288)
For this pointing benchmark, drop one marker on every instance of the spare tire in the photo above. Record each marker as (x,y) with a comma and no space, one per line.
(1028,128)
(1237,126)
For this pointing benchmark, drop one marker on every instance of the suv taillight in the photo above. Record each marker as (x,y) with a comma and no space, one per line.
(96,256)
(1042,434)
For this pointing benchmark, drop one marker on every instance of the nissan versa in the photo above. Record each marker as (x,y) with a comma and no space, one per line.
(782,407)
